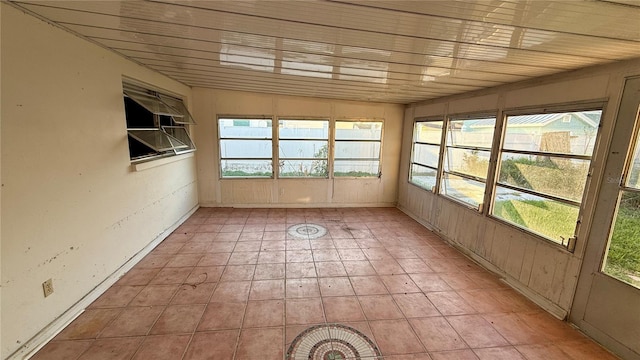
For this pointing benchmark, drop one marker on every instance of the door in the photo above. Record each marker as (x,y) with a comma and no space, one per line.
(607,301)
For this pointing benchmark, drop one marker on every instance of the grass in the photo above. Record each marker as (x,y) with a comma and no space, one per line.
(623,259)
(550,219)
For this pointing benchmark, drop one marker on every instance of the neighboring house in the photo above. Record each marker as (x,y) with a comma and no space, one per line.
(558,132)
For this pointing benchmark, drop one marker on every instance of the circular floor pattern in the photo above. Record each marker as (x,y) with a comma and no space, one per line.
(307,231)
(332,342)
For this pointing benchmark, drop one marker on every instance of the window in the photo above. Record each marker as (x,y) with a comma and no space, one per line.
(156,124)
(303,148)
(246,149)
(622,259)
(466,159)
(543,169)
(250,147)
(425,154)
(357,148)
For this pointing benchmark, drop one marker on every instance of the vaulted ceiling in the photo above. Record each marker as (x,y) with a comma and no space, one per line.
(387,51)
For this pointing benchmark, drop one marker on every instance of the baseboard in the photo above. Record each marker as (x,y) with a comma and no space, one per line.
(50,331)
(298,205)
(538,299)
(607,342)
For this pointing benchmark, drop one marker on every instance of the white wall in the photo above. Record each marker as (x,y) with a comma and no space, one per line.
(544,271)
(208,104)
(72,208)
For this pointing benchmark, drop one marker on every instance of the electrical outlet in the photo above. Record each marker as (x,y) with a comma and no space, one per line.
(47,287)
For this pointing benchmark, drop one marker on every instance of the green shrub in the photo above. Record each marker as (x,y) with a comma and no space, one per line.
(558,177)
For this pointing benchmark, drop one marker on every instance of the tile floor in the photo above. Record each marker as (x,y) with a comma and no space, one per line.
(232,284)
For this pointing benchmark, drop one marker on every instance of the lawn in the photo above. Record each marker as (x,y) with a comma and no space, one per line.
(550,219)
(623,259)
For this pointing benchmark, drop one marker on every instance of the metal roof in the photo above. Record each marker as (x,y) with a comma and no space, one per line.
(592,118)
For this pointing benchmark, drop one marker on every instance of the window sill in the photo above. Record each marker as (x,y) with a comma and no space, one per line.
(161,161)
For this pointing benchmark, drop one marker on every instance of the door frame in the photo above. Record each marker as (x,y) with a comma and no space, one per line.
(607,201)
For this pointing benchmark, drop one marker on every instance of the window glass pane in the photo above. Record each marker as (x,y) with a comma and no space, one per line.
(472,133)
(181,134)
(633,178)
(156,139)
(292,149)
(246,168)
(549,218)
(184,117)
(350,130)
(304,168)
(428,131)
(463,189)
(469,162)
(151,102)
(423,176)
(245,128)
(561,177)
(565,133)
(357,168)
(138,150)
(623,255)
(426,154)
(137,115)
(303,129)
(245,149)
(357,150)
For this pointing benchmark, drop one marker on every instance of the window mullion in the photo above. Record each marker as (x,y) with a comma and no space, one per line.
(494,161)
(538,194)
(550,154)
(472,148)
(442,147)
(331,147)
(466,176)
(275,154)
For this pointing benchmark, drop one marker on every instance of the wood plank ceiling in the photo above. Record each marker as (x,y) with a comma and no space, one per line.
(383,51)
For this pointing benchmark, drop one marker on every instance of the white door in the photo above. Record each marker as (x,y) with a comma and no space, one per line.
(607,302)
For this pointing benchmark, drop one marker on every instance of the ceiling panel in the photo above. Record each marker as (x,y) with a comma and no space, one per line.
(388,51)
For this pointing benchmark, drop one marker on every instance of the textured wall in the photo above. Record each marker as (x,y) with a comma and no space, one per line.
(209,104)
(72,208)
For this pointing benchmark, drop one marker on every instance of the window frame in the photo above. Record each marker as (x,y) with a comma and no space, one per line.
(272,159)
(489,150)
(569,243)
(336,141)
(136,92)
(278,159)
(438,168)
